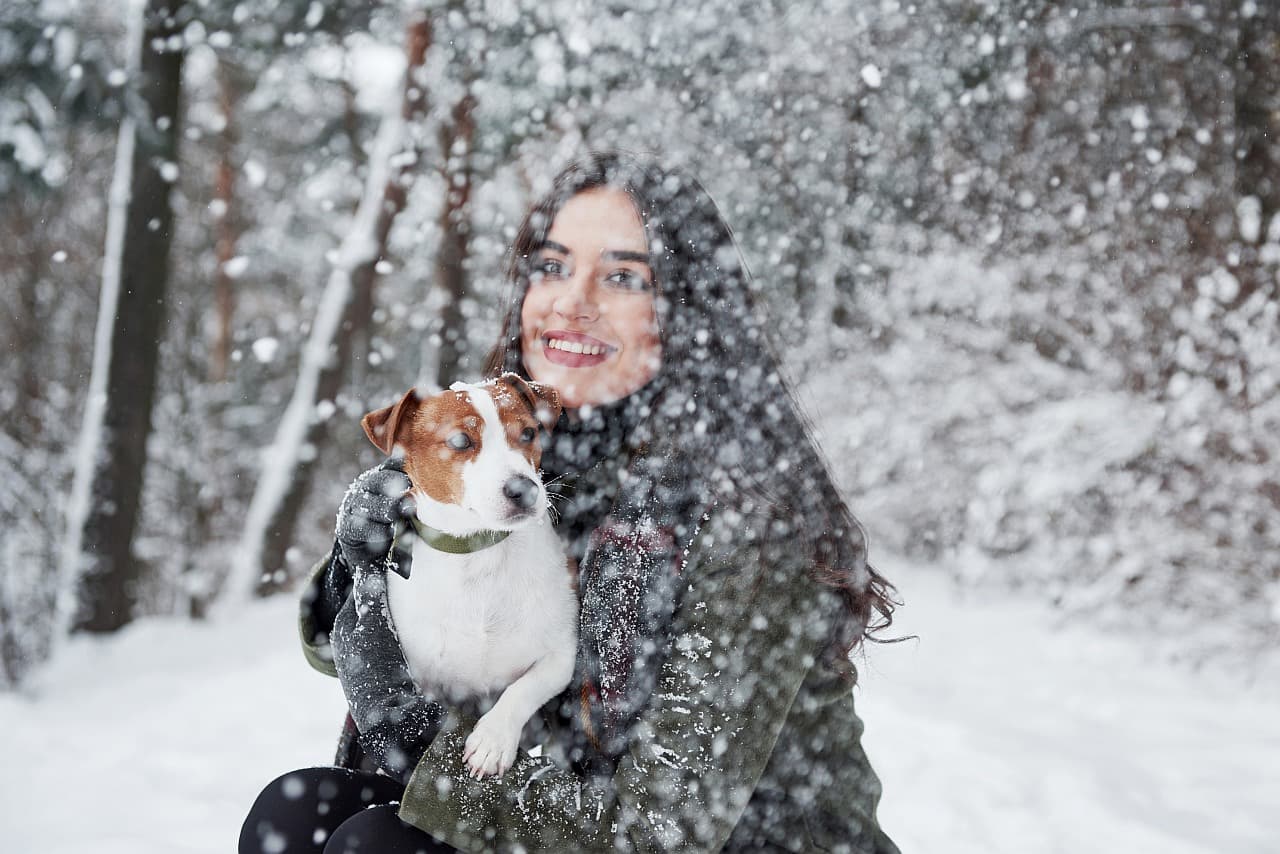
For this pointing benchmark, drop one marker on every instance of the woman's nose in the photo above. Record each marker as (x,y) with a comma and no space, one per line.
(577,298)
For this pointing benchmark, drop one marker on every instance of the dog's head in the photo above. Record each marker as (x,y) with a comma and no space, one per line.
(471,452)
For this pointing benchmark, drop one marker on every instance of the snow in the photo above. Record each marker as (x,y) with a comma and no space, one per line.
(358,247)
(28,147)
(158,739)
(376,70)
(235,267)
(1004,730)
(265,348)
(255,173)
(1000,730)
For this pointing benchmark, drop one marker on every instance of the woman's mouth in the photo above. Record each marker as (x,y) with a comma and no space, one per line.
(574,350)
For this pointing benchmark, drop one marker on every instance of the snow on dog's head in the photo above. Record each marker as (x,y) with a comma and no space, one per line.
(471,452)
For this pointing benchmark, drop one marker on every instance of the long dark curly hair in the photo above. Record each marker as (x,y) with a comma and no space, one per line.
(720,394)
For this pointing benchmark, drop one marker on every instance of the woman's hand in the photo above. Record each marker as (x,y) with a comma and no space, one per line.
(374,511)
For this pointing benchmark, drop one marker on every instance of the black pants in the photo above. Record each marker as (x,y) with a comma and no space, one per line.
(332,811)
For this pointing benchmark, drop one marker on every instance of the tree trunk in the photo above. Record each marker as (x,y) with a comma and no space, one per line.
(345,309)
(24,258)
(456,140)
(135,275)
(226,227)
(1258,108)
(1257,142)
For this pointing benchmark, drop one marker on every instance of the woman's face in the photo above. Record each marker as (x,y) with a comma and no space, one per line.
(589,323)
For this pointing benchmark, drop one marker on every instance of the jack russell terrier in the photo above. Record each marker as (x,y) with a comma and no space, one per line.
(489,605)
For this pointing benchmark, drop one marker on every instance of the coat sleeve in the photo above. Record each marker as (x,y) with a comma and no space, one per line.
(373,511)
(327,588)
(396,721)
(744,638)
(346,631)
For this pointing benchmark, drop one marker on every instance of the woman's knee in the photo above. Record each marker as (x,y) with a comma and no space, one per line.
(379,830)
(298,811)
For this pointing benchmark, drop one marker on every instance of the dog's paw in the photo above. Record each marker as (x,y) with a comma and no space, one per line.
(491,747)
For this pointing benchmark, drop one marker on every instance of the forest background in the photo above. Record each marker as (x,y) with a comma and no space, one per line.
(1024,255)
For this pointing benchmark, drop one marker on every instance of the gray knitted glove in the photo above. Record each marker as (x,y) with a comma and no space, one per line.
(374,512)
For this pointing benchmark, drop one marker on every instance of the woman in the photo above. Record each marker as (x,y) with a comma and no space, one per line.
(723,580)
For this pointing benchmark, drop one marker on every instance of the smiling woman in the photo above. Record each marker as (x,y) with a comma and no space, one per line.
(589,322)
(722,580)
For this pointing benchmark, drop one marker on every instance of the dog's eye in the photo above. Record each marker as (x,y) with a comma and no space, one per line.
(459,441)
(528,434)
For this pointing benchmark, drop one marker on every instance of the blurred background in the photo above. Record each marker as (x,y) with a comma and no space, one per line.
(1022,258)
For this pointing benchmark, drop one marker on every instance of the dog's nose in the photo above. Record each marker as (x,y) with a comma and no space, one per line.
(521,491)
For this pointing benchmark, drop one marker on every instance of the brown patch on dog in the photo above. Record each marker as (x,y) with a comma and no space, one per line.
(422,428)
(524,406)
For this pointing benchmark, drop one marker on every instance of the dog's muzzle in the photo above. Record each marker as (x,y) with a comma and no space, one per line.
(521,491)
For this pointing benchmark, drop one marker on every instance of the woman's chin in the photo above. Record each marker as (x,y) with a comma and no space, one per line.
(577,398)
(579,387)
(576,395)
(574,391)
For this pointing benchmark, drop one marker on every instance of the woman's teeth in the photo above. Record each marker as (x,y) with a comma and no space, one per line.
(575,347)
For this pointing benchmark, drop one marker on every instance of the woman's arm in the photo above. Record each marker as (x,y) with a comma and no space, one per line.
(395,720)
(346,631)
(370,517)
(744,634)
(327,587)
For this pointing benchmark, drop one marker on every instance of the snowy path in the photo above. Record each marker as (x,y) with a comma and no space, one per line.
(993,734)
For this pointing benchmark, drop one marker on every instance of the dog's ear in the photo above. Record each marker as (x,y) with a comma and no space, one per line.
(543,400)
(383,425)
(548,409)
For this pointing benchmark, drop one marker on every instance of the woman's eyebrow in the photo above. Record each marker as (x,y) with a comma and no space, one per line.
(607,254)
(554,247)
(625,255)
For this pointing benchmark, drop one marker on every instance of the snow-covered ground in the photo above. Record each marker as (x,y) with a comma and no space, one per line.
(1005,730)
(998,731)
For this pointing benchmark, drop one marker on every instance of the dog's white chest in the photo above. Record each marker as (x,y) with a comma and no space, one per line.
(471,624)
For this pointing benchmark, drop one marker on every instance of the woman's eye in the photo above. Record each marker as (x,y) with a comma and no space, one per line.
(547,268)
(628,280)
(459,441)
(528,434)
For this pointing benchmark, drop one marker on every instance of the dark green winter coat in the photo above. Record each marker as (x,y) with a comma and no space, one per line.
(748,743)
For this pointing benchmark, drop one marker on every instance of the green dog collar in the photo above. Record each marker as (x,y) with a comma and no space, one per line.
(440,541)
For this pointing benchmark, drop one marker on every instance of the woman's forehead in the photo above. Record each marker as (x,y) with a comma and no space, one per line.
(603,217)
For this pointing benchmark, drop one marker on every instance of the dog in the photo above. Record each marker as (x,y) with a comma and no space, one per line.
(489,605)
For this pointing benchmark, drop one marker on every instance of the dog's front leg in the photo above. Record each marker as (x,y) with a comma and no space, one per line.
(491,747)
